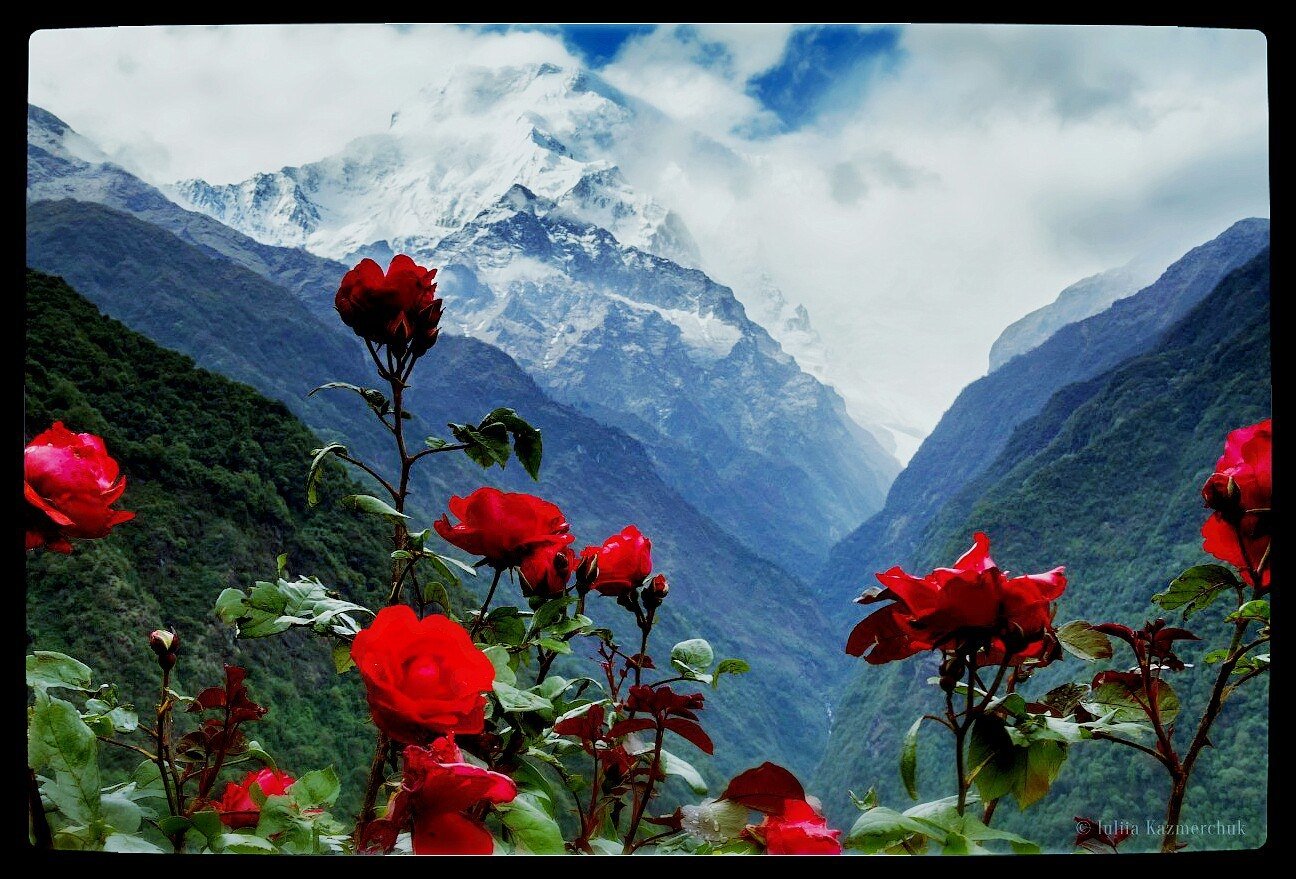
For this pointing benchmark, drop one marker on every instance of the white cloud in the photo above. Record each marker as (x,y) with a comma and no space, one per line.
(226,102)
(971,183)
(922,211)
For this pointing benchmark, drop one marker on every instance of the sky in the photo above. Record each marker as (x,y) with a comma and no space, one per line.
(916,188)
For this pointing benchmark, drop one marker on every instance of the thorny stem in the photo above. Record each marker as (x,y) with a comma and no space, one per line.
(371,471)
(397,372)
(162,757)
(1182,769)
(641,804)
(481,614)
(148,755)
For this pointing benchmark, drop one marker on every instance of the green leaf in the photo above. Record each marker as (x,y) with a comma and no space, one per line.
(530,826)
(970,834)
(909,760)
(678,766)
(126,843)
(245,843)
(879,828)
(435,442)
(342,661)
(555,645)
(173,824)
(1216,656)
(316,789)
(1003,767)
(694,655)
(499,657)
(374,398)
(1081,640)
(527,442)
(46,669)
(513,699)
(436,592)
(714,821)
(316,470)
(548,613)
(729,667)
(439,561)
(271,608)
(59,739)
(1116,703)
(120,812)
(1196,589)
(486,445)
(368,504)
(1256,609)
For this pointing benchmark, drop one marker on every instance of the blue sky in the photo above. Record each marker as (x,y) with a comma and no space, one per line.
(818,63)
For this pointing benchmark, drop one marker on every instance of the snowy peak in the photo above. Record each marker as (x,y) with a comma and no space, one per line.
(450,155)
(50,133)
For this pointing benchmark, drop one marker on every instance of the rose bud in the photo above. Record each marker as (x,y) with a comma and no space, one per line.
(656,592)
(588,570)
(951,673)
(166,644)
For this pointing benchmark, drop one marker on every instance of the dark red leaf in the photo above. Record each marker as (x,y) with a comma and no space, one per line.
(693,732)
(625,727)
(764,788)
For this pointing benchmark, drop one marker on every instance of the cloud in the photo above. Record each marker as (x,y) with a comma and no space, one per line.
(231,101)
(916,188)
(935,198)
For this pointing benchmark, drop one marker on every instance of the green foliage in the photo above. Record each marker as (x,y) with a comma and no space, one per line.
(488,442)
(271,608)
(214,474)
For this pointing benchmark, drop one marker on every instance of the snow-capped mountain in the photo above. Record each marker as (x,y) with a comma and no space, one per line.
(1082,299)
(458,149)
(636,340)
(670,356)
(449,156)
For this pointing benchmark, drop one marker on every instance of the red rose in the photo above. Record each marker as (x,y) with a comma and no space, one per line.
(236,806)
(1240,492)
(70,483)
(503,527)
(546,570)
(399,309)
(423,678)
(797,830)
(624,561)
(971,606)
(437,790)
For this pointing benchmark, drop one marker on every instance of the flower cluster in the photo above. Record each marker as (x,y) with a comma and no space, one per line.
(398,309)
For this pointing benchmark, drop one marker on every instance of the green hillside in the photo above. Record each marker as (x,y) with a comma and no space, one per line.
(234,321)
(215,477)
(1105,480)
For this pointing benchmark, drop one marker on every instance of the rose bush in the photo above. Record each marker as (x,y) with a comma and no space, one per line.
(483,744)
